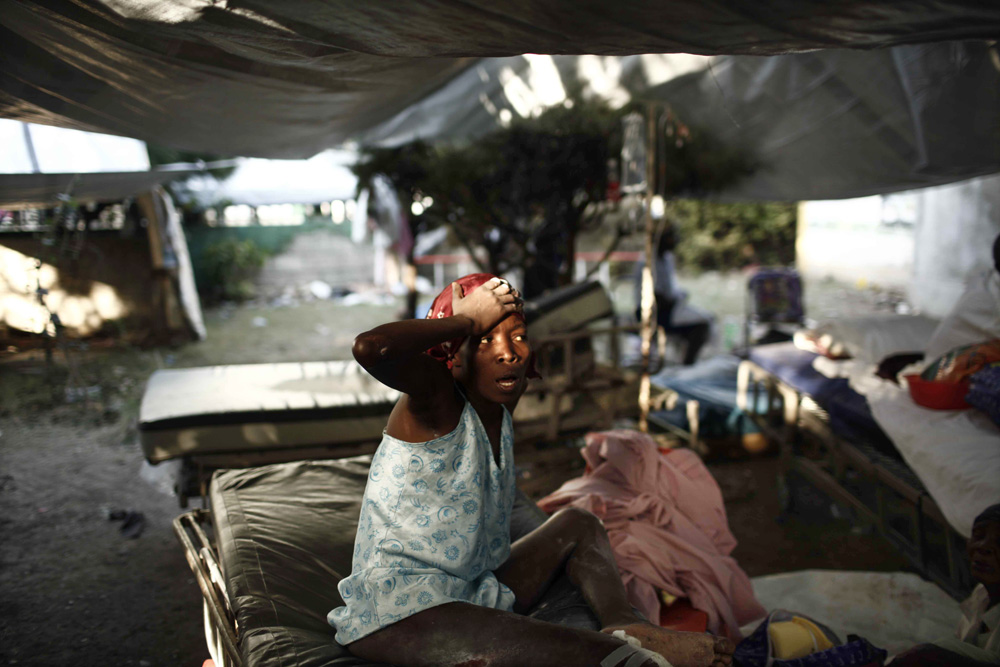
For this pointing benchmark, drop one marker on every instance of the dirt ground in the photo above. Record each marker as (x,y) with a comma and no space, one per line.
(76,591)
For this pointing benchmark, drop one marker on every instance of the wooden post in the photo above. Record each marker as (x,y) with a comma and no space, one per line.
(167,316)
(647,298)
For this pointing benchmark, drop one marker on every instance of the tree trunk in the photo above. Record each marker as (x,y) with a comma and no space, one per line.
(569,268)
(410,272)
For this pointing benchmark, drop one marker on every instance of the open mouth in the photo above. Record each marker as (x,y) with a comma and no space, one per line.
(509,382)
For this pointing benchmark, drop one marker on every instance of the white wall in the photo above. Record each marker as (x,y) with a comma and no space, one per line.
(956,226)
(857,241)
(927,242)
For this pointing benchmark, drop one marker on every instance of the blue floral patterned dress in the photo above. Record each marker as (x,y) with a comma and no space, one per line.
(434,524)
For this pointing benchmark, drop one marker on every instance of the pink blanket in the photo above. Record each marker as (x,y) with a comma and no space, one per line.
(667,524)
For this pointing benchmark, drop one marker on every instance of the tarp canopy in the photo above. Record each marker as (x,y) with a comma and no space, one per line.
(40,190)
(288,79)
(822,125)
(839,124)
(40,163)
(259,181)
(42,148)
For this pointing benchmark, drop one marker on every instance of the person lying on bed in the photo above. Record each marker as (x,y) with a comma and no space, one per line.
(977,640)
(435,579)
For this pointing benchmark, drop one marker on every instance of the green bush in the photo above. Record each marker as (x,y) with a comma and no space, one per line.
(714,236)
(230,267)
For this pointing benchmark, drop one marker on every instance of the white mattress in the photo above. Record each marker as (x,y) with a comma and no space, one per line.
(892,610)
(955,453)
(221,409)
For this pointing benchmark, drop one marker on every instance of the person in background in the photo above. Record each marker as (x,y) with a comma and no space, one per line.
(975,318)
(977,639)
(677,317)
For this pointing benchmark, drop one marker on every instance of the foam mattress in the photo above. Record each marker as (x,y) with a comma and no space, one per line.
(285,537)
(227,409)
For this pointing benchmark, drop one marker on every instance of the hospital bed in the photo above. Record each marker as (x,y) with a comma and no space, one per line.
(835,437)
(241,416)
(271,547)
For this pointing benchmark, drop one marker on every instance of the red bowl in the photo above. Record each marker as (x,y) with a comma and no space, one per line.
(938,395)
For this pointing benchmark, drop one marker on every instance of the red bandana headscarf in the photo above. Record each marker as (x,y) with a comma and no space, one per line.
(441,307)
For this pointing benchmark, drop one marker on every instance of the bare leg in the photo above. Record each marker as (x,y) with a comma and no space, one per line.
(575,540)
(465,634)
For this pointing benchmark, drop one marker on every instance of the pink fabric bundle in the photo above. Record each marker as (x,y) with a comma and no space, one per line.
(667,525)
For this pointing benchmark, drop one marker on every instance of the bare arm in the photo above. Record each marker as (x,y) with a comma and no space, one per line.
(394,353)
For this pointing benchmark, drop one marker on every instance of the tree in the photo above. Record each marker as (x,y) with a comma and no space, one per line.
(521,192)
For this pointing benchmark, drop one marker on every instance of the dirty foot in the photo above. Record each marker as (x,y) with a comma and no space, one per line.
(682,649)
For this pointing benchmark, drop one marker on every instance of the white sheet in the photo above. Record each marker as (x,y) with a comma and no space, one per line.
(841,368)
(955,453)
(892,610)
(872,338)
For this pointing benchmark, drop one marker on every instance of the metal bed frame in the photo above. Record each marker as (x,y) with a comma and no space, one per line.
(880,489)
(221,630)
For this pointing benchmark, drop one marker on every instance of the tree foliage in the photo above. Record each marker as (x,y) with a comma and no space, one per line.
(520,191)
(524,191)
(691,162)
(716,236)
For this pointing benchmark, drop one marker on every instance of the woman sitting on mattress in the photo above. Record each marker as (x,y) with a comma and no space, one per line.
(977,641)
(435,579)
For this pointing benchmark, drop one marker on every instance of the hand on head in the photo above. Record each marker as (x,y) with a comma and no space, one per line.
(487,304)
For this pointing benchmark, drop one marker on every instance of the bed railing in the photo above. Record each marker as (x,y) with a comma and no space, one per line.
(221,630)
(878,489)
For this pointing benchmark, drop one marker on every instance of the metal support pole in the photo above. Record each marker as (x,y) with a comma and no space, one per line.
(647,299)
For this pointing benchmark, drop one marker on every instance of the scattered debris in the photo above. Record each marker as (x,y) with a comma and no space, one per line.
(133,522)
(259,321)
(372,298)
(320,289)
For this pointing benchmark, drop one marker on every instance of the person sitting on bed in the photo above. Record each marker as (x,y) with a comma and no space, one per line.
(977,640)
(974,318)
(435,579)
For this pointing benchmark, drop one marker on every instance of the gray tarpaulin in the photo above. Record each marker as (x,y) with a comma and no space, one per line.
(287,79)
(36,190)
(823,125)
(836,124)
(259,182)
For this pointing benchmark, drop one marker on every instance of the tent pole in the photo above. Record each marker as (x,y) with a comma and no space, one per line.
(647,297)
